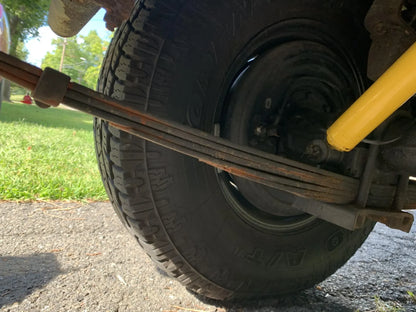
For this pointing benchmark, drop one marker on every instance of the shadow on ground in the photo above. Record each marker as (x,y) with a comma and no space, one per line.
(20,276)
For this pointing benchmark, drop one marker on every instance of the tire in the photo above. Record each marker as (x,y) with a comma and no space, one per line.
(179,60)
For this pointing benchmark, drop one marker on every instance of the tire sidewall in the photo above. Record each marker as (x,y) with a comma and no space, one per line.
(193,212)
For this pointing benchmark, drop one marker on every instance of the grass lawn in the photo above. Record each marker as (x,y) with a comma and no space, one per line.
(47,154)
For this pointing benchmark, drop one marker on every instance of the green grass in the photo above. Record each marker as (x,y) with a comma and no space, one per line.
(412,296)
(383,306)
(16,97)
(47,155)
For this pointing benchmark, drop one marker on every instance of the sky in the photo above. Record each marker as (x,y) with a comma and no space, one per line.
(38,47)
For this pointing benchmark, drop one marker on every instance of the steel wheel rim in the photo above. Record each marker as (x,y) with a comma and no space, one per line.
(320,49)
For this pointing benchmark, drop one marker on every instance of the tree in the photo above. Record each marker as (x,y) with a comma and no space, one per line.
(95,49)
(25,17)
(12,88)
(79,57)
(21,51)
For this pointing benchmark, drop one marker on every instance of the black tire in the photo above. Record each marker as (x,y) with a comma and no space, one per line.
(177,59)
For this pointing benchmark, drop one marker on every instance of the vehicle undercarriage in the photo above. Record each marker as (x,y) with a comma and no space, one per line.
(227,139)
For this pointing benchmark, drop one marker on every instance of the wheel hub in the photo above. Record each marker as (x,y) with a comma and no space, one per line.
(282,100)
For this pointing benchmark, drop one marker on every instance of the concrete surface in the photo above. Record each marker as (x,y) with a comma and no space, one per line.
(78,257)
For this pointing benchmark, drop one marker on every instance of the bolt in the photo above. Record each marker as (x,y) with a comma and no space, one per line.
(268,103)
(380,29)
(314,152)
(260,131)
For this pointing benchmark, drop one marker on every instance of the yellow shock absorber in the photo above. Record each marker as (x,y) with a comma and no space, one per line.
(381,100)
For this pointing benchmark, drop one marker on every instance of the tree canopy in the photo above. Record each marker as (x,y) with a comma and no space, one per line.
(25,17)
(82,57)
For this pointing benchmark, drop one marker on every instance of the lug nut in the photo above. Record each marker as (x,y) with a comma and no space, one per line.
(260,131)
(268,103)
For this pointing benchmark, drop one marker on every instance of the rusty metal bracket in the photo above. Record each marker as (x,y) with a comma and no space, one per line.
(352,217)
(390,33)
(117,11)
(67,17)
(51,87)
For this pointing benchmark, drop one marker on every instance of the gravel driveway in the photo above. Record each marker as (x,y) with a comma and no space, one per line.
(78,257)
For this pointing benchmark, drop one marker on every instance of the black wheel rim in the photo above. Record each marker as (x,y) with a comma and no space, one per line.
(286,87)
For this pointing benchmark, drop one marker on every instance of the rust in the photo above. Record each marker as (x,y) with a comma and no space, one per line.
(117,11)
(67,17)
(118,106)
(236,171)
(397,220)
(15,70)
(410,206)
(306,182)
(120,127)
(51,87)
(390,34)
(278,166)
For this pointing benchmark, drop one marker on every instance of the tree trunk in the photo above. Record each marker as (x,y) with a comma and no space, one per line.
(13,22)
(6,90)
